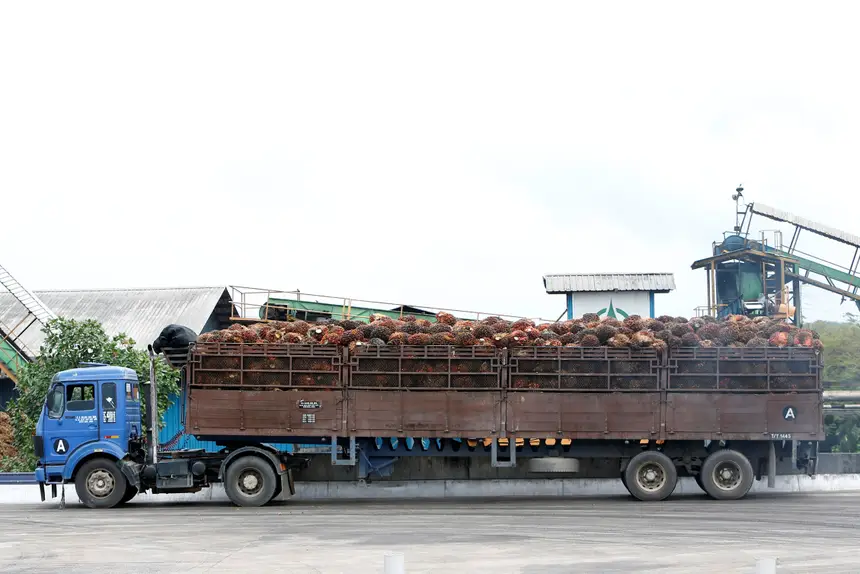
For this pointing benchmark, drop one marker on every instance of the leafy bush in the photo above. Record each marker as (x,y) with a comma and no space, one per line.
(68,343)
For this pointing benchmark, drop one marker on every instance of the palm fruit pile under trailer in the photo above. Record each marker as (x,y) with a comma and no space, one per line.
(751,277)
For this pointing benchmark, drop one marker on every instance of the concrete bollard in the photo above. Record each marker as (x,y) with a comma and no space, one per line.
(764,566)
(394,563)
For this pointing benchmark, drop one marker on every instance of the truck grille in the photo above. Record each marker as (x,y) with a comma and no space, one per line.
(38,446)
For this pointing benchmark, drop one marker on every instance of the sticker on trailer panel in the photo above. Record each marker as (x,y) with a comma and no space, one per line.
(309,418)
(61,446)
(309,404)
(780,435)
(789,413)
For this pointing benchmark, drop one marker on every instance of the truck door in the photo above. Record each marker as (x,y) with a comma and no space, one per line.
(72,419)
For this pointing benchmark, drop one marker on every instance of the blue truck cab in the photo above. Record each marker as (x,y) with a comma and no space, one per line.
(89,431)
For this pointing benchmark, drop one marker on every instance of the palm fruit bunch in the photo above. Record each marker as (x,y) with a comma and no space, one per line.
(532,332)
(446,318)
(408,328)
(482,331)
(419,339)
(605,332)
(438,338)
(293,339)
(381,332)
(619,341)
(690,340)
(589,341)
(634,323)
(518,338)
(464,339)
(501,327)
(522,325)
(300,327)
(317,332)
(348,337)
(590,318)
(439,328)
(398,338)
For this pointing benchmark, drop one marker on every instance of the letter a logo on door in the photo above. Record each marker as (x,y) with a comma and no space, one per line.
(789,413)
(61,446)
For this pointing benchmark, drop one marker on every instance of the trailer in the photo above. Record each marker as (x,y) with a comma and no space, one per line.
(721,415)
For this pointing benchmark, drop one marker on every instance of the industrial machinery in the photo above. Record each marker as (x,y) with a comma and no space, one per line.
(763,276)
(13,352)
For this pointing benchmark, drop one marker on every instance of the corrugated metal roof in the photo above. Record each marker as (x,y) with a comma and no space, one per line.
(139,313)
(657,282)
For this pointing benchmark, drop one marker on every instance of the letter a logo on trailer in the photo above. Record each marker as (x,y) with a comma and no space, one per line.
(61,446)
(789,413)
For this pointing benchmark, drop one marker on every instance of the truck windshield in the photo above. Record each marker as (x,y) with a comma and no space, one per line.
(56,402)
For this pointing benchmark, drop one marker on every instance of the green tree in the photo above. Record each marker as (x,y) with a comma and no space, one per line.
(68,343)
(842,369)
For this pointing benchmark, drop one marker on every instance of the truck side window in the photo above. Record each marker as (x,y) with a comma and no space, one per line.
(55,402)
(81,397)
(131,392)
(109,396)
(109,402)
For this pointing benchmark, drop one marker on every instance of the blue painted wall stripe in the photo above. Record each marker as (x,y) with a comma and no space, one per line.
(172,435)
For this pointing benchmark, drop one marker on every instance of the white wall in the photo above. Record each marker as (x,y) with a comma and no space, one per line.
(630,302)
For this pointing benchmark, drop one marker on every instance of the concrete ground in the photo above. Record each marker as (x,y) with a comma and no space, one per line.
(807,532)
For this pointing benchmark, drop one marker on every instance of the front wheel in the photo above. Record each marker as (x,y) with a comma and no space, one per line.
(250,481)
(130,492)
(100,483)
(727,475)
(650,475)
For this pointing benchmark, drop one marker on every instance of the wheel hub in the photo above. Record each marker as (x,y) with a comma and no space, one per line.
(250,482)
(651,476)
(727,476)
(100,483)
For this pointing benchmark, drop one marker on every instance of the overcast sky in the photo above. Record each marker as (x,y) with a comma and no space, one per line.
(445,154)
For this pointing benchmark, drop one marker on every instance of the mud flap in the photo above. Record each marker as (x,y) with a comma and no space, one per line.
(42,490)
(288,487)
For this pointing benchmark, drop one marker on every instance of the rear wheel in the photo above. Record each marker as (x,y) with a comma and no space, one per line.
(727,475)
(100,483)
(698,478)
(250,481)
(650,475)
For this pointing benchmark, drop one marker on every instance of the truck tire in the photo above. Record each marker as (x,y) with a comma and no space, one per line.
(698,478)
(100,483)
(727,475)
(650,475)
(250,481)
(130,492)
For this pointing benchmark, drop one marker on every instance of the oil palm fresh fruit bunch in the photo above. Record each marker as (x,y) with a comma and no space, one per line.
(419,339)
(446,318)
(398,338)
(439,328)
(690,340)
(380,332)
